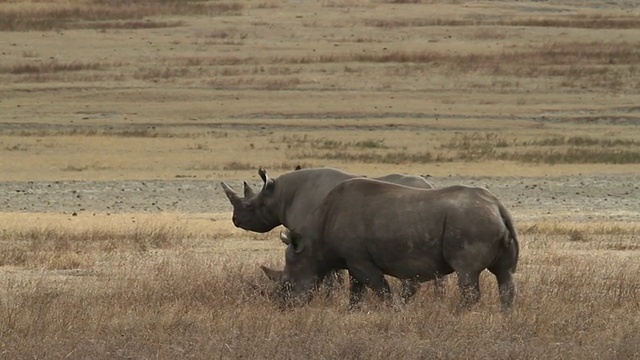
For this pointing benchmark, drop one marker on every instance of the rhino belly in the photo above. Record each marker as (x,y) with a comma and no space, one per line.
(422,269)
(420,265)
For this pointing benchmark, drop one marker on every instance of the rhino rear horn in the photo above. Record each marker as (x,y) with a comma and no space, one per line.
(233,197)
(273,275)
(285,236)
(248,191)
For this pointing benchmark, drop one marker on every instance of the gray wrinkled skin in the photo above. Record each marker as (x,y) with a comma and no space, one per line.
(290,198)
(372,229)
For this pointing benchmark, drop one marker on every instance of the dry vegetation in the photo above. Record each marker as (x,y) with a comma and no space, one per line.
(190,297)
(162,89)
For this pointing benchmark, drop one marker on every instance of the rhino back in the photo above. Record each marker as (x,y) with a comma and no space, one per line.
(406,180)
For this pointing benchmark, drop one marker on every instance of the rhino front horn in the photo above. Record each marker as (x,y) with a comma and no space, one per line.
(233,197)
(273,275)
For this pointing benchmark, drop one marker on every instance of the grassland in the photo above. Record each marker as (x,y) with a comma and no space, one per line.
(101,91)
(82,289)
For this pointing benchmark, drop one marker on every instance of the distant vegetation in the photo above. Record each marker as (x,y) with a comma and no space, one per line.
(104,14)
(478,147)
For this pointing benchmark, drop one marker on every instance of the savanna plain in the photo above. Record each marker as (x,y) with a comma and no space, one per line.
(119,119)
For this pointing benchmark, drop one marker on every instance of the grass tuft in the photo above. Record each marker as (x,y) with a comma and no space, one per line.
(56,248)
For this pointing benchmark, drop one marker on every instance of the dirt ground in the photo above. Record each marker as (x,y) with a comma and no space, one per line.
(571,198)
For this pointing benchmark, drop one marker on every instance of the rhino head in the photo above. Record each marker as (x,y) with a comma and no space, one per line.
(255,212)
(298,281)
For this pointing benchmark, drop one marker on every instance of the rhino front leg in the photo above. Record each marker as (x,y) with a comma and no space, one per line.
(438,285)
(409,288)
(357,291)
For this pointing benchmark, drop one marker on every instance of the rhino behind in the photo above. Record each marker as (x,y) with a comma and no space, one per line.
(290,198)
(373,228)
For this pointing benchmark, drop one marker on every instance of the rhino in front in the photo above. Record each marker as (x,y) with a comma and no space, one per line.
(372,228)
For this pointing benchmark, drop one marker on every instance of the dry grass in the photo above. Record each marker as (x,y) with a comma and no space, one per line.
(470,147)
(582,21)
(204,300)
(100,14)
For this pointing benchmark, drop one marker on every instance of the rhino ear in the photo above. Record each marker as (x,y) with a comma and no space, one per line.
(231,195)
(273,275)
(298,167)
(263,174)
(248,191)
(268,182)
(297,244)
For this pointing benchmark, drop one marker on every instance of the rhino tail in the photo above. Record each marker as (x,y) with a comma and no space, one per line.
(511,237)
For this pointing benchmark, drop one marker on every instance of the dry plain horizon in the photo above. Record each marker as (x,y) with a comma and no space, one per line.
(118,120)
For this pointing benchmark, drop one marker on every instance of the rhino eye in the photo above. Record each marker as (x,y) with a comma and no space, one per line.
(249,206)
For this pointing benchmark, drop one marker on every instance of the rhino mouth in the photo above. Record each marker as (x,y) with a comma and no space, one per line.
(252,225)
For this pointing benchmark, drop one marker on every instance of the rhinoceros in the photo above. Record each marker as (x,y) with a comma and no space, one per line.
(290,198)
(373,228)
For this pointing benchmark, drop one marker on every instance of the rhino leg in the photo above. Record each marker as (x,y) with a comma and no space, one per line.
(409,288)
(332,281)
(469,285)
(357,291)
(503,269)
(506,288)
(369,275)
(438,285)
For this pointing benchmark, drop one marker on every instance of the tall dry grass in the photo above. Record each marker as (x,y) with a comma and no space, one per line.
(183,302)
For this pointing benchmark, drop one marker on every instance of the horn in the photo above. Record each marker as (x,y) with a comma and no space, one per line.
(285,236)
(233,197)
(248,191)
(268,182)
(273,275)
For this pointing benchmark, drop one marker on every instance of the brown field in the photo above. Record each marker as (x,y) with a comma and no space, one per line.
(118,120)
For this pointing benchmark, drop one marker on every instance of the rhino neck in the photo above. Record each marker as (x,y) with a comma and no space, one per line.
(302,191)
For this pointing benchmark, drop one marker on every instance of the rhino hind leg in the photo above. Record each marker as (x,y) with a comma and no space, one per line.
(503,269)
(506,288)
(469,285)
(332,281)
(366,274)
